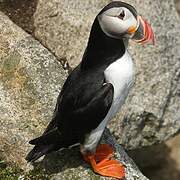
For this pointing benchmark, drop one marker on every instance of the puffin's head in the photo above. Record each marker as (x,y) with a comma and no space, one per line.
(120,20)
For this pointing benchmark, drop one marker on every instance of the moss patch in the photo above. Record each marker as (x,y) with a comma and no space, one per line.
(15,78)
(13,172)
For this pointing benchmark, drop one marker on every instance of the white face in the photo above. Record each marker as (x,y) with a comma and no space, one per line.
(118,22)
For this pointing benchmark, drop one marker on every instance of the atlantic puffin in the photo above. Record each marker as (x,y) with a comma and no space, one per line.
(96,89)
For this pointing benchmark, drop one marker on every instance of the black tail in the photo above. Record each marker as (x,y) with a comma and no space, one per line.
(38,151)
(44,144)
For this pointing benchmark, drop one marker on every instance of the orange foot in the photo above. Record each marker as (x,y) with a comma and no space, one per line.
(103,164)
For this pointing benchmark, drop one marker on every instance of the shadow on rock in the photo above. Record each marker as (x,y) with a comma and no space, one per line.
(20,12)
(156,162)
(59,161)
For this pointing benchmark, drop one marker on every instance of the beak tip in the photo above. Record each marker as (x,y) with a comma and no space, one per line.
(148,32)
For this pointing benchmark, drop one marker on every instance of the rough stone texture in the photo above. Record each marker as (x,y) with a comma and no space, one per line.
(20,11)
(177,2)
(30,79)
(152,111)
(175,152)
(161,161)
(63,26)
(74,168)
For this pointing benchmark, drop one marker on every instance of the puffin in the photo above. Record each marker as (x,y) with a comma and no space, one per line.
(96,89)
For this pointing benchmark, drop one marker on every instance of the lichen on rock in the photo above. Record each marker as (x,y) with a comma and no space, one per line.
(30,80)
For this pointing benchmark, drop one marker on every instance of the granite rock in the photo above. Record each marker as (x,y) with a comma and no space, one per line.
(30,80)
(74,168)
(177,2)
(63,26)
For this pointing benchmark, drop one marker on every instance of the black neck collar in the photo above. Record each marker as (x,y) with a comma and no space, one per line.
(101,50)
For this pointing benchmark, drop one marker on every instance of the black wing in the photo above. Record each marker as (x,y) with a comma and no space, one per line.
(75,121)
(77,113)
(91,115)
(80,122)
(82,104)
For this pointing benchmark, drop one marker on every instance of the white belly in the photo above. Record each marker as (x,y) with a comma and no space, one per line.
(120,74)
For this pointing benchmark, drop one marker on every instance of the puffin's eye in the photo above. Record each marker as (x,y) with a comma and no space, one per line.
(121,15)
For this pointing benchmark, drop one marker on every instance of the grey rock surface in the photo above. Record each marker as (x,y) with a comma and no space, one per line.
(152,112)
(30,79)
(63,26)
(177,2)
(74,168)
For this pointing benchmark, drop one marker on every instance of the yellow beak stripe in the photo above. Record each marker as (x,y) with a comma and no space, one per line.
(132,30)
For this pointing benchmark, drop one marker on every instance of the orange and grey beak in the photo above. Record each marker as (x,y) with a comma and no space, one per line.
(144,33)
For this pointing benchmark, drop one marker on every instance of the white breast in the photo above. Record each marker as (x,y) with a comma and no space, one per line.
(120,74)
